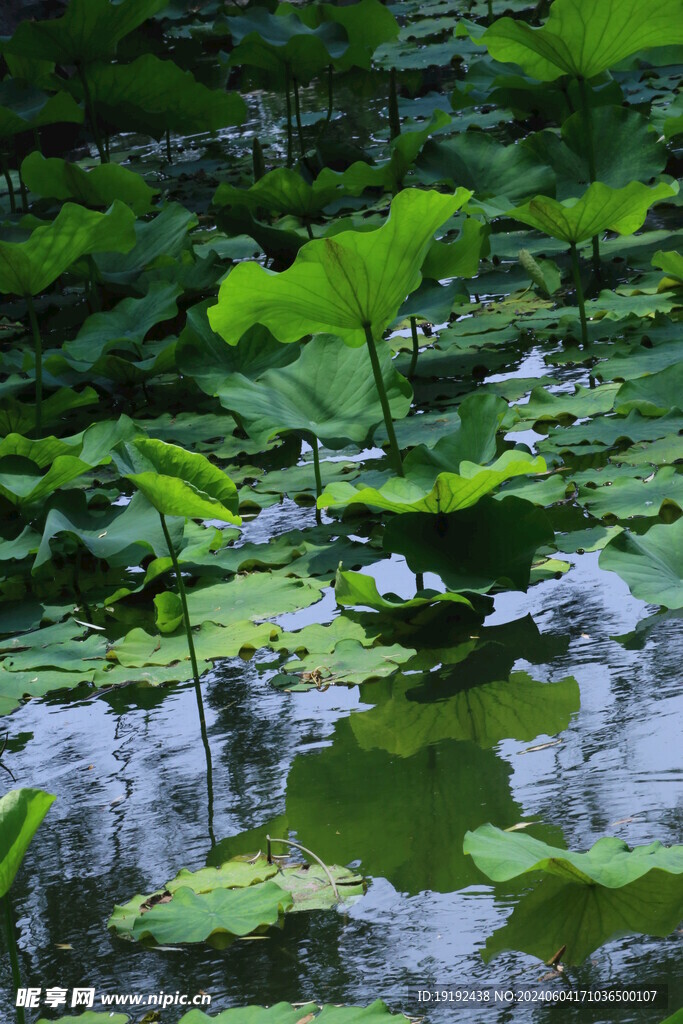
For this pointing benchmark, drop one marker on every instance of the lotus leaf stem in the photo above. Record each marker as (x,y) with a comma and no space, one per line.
(394,116)
(90,107)
(579,293)
(490,11)
(313,440)
(209,762)
(330,93)
(419,581)
(590,139)
(297,113)
(24,193)
(384,401)
(10,187)
(38,346)
(183,597)
(13,952)
(416,347)
(288,102)
(298,846)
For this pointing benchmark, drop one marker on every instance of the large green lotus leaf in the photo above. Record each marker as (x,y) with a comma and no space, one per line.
(608,430)
(368,23)
(517,708)
(584,402)
(625,149)
(461,257)
(298,397)
(204,356)
(120,536)
(280,191)
(627,497)
(449,493)
(582,918)
(189,917)
(475,160)
(23,107)
(354,589)
(22,483)
(338,284)
(285,1013)
(494,542)
(583,39)
(21,812)
(670,262)
(29,267)
(322,639)
(155,96)
(651,565)
(322,800)
(599,208)
(99,186)
(256,596)
(177,482)
(639,361)
(654,395)
(273,41)
(163,236)
(14,686)
(139,649)
(124,327)
(349,664)
(89,30)
(503,855)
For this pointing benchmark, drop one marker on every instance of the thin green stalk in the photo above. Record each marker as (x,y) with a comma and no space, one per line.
(590,139)
(384,401)
(209,763)
(579,292)
(183,597)
(309,229)
(13,953)
(490,10)
(10,187)
(419,581)
(416,347)
(297,113)
(330,94)
(288,101)
(90,107)
(38,345)
(394,116)
(313,441)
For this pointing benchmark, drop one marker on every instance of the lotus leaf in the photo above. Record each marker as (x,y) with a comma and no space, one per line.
(349,663)
(27,268)
(139,649)
(298,397)
(670,262)
(165,235)
(651,565)
(557,913)
(189,917)
(21,812)
(610,863)
(340,284)
(449,493)
(156,96)
(280,191)
(654,395)
(89,30)
(99,186)
(285,1013)
(255,596)
(582,39)
(355,589)
(477,161)
(23,107)
(629,497)
(266,40)
(177,482)
(367,23)
(600,208)
(492,543)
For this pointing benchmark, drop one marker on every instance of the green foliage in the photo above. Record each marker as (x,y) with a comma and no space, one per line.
(651,565)
(99,186)
(21,812)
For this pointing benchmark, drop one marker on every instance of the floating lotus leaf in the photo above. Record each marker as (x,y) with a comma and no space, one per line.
(177,482)
(155,96)
(651,565)
(29,267)
(450,492)
(139,649)
(89,30)
(583,39)
(349,663)
(285,1013)
(254,596)
(21,812)
(298,397)
(629,497)
(670,262)
(99,186)
(599,208)
(338,284)
(503,855)
(492,543)
(654,395)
